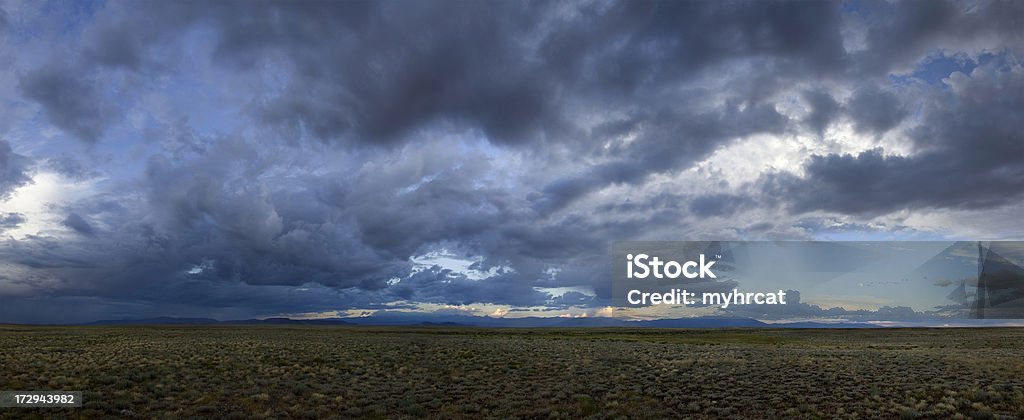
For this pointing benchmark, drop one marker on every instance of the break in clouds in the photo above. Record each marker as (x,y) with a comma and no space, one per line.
(236,159)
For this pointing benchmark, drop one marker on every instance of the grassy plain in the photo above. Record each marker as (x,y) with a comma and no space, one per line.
(376,372)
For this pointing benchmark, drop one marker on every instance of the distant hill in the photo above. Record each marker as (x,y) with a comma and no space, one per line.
(701,323)
(324,321)
(207,321)
(824,325)
(163,320)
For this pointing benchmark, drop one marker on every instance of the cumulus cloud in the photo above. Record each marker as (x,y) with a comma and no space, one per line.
(967,149)
(11,220)
(874,110)
(823,110)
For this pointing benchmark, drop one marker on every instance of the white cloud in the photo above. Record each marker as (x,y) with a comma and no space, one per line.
(40,200)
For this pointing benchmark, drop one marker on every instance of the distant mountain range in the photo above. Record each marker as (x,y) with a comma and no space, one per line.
(405,319)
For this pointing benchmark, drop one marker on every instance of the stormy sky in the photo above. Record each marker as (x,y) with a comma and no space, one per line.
(244,159)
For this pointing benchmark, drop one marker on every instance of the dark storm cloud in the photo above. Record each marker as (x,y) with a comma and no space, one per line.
(107,45)
(874,110)
(204,219)
(14,170)
(969,147)
(900,33)
(565,99)
(70,100)
(512,70)
(205,209)
(45,253)
(75,222)
(388,78)
(824,109)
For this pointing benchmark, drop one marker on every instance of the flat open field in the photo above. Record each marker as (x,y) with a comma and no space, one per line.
(375,372)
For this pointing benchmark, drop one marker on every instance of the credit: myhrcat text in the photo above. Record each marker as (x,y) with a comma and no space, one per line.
(683,297)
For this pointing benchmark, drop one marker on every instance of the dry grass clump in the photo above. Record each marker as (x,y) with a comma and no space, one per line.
(363,372)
